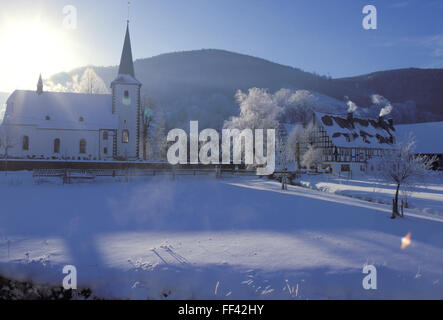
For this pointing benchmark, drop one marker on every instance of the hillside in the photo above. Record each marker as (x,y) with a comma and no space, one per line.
(191,84)
(424,86)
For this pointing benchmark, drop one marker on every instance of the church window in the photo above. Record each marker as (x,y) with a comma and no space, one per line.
(125,136)
(105,135)
(25,143)
(82,146)
(57,145)
(126,99)
(48,118)
(105,150)
(81,119)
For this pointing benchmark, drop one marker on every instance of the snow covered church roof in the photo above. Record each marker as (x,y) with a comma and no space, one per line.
(60,110)
(350,131)
(427,136)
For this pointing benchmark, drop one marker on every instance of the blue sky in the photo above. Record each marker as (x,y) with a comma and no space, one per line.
(325,37)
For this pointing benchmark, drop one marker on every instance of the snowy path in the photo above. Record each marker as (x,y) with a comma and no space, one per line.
(208,238)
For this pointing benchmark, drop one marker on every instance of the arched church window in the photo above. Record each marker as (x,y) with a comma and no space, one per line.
(57,145)
(105,135)
(48,118)
(82,146)
(125,136)
(81,119)
(25,143)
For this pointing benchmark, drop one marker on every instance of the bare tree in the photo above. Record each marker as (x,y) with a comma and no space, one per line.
(403,167)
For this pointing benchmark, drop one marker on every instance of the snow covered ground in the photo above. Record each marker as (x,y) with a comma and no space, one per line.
(207,238)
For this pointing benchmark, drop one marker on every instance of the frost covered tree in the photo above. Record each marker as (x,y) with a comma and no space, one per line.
(298,105)
(259,109)
(299,141)
(312,158)
(403,167)
(153,140)
(284,149)
(90,82)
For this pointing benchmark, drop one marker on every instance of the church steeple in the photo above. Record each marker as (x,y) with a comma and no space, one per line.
(126,106)
(40,85)
(126,63)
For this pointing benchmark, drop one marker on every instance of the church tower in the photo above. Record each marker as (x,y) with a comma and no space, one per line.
(126,105)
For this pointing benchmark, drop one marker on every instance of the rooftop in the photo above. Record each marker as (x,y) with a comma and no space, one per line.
(350,131)
(60,110)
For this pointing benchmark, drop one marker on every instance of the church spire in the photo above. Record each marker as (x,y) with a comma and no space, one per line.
(40,85)
(126,63)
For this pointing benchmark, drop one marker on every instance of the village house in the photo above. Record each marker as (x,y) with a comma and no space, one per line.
(346,142)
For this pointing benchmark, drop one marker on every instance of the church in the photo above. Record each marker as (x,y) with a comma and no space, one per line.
(76,126)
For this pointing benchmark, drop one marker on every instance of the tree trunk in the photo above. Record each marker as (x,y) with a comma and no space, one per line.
(395,203)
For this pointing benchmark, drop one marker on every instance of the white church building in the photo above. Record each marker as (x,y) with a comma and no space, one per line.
(76,126)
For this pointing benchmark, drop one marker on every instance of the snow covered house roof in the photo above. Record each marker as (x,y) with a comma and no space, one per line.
(350,131)
(60,110)
(428,136)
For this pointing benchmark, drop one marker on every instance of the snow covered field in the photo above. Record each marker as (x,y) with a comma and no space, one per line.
(207,238)
(425,199)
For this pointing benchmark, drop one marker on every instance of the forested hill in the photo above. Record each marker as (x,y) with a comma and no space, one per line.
(206,80)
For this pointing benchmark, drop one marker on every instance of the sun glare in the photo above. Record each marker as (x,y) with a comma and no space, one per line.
(28,49)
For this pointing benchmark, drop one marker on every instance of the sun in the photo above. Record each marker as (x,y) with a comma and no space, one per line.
(29,48)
